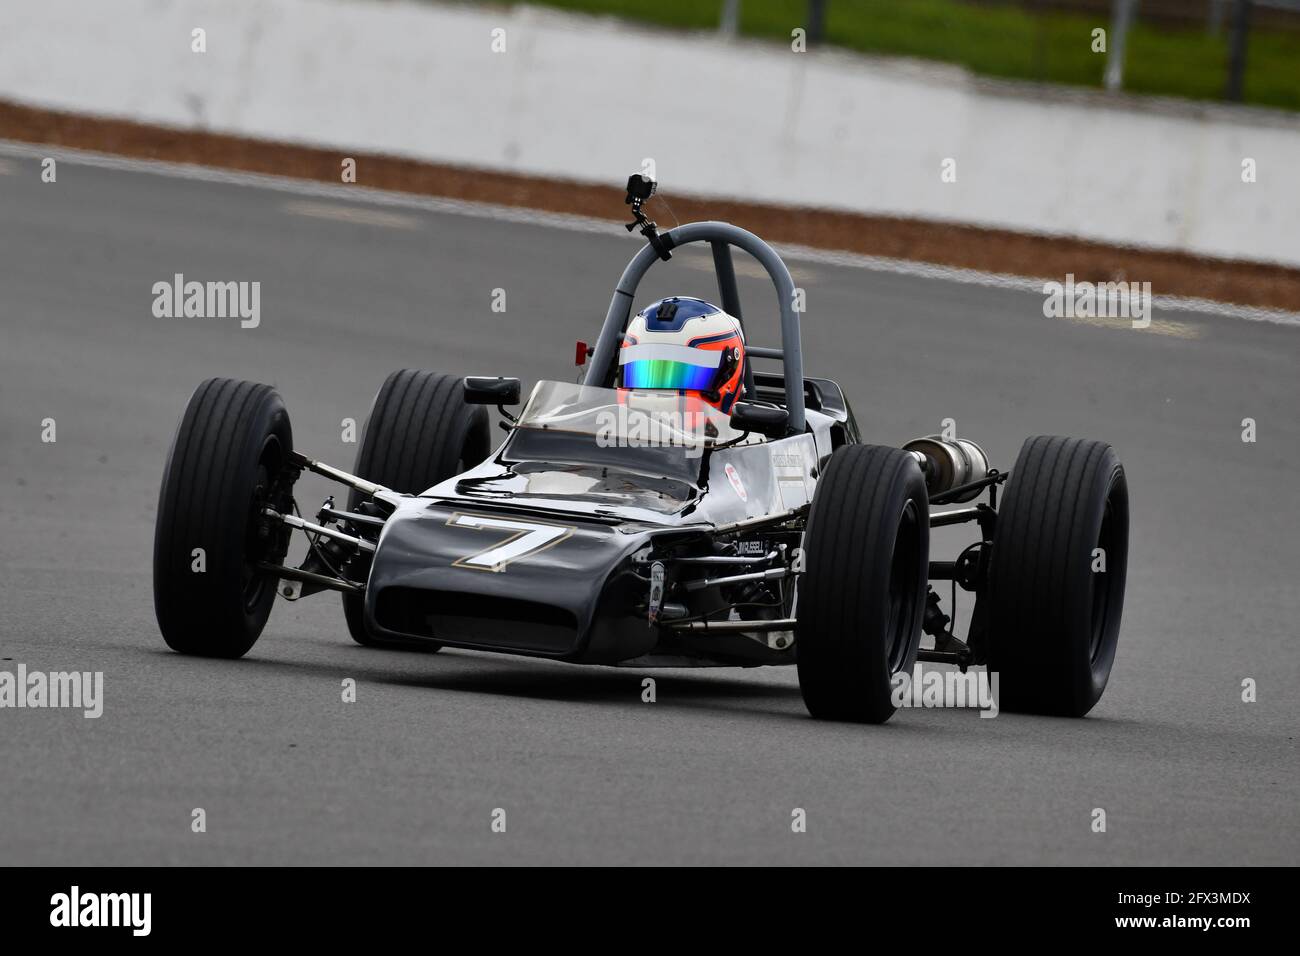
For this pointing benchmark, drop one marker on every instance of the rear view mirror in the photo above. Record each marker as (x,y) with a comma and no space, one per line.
(486,390)
(764,419)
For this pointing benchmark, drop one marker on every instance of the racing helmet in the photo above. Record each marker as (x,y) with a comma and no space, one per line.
(687,345)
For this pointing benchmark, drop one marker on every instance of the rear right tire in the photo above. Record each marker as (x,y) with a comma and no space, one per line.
(1057,576)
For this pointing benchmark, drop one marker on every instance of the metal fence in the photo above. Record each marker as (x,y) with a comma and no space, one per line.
(1233,19)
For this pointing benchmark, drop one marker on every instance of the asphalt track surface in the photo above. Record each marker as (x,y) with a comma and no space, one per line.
(585,770)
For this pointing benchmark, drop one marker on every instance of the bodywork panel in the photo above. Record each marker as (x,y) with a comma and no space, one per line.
(536,557)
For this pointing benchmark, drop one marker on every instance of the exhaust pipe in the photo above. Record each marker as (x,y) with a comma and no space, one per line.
(950,463)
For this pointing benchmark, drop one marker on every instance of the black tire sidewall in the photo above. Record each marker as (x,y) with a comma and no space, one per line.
(409,404)
(1041,579)
(843,639)
(204,502)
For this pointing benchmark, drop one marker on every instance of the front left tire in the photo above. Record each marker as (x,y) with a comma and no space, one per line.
(420,431)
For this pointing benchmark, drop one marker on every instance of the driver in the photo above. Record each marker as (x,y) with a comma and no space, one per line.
(686,345)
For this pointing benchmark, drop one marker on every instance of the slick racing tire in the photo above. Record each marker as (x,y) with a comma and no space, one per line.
(420,432)
(1056,576)
(862,592)
(228,462)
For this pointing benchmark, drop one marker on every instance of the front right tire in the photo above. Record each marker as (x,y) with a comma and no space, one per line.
(229,461)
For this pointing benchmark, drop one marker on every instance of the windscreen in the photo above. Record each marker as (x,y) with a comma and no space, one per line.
(658,432)
(626,416)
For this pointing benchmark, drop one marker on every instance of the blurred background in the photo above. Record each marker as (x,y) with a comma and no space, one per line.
(1241,50)
(880,127)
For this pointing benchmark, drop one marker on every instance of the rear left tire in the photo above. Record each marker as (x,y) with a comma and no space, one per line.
(862,591)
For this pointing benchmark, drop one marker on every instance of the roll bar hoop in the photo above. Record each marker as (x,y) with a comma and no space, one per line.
(721,235)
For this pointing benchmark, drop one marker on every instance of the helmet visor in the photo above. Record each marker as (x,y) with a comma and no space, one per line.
(669,366)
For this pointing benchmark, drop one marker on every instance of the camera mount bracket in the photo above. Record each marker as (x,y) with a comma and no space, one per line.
(640,188)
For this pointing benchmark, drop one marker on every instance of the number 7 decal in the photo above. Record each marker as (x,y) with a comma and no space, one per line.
(527,537)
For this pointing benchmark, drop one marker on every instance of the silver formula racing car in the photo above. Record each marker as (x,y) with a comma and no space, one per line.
(617,526)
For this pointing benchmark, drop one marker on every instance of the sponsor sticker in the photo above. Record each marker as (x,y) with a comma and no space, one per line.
(733,476)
